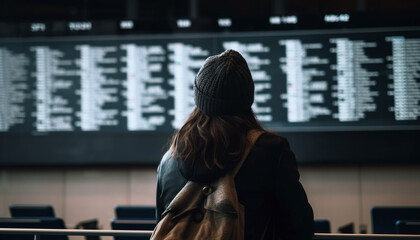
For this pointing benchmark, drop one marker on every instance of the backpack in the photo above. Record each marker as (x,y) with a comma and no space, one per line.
(206,211)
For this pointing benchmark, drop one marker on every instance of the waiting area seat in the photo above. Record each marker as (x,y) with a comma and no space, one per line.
(322,226)
(42,216)
(32,216)
(135,212)
(384,219)
(408,226)
(31,211)
(46,222)
(117,224)
(131,217)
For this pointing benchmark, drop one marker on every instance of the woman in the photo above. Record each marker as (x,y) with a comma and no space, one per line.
(214,138)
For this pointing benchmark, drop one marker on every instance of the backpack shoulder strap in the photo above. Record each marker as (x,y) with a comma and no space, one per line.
(252,137)
(190,196)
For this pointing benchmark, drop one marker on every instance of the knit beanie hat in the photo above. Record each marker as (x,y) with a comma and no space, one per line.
(224,85)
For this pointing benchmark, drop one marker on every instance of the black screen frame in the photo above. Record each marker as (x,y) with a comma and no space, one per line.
(65,149)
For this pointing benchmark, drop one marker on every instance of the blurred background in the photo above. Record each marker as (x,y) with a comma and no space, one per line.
(343,194)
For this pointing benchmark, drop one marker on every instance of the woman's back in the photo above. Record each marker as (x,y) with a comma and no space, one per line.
(267,185)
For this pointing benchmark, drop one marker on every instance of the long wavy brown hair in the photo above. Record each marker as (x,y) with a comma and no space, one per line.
(218,141)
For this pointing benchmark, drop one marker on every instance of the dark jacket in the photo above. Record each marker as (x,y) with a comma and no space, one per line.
(267,185)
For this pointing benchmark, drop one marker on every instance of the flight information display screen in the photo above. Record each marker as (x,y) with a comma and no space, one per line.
(99,93)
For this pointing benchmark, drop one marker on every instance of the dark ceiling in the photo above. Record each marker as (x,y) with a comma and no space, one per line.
(29,10)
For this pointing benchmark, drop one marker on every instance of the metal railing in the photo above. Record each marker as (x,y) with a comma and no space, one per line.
(36,232)
(334,236)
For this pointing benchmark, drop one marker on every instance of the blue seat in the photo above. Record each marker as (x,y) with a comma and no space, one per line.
(135,212)
(130,224)
(128,217)
(31,211)
(53,223)
(408,226)
(384,218)
(43,211)
(322,226)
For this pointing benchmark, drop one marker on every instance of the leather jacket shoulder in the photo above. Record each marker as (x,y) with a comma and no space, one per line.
(170,182)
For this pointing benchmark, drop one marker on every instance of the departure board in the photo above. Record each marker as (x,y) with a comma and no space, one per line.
(312,81)
(326,81)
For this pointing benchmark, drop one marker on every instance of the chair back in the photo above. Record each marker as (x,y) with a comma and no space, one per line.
(31,211)
(322,226)
(384,218)
(135,212)
(53,223)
